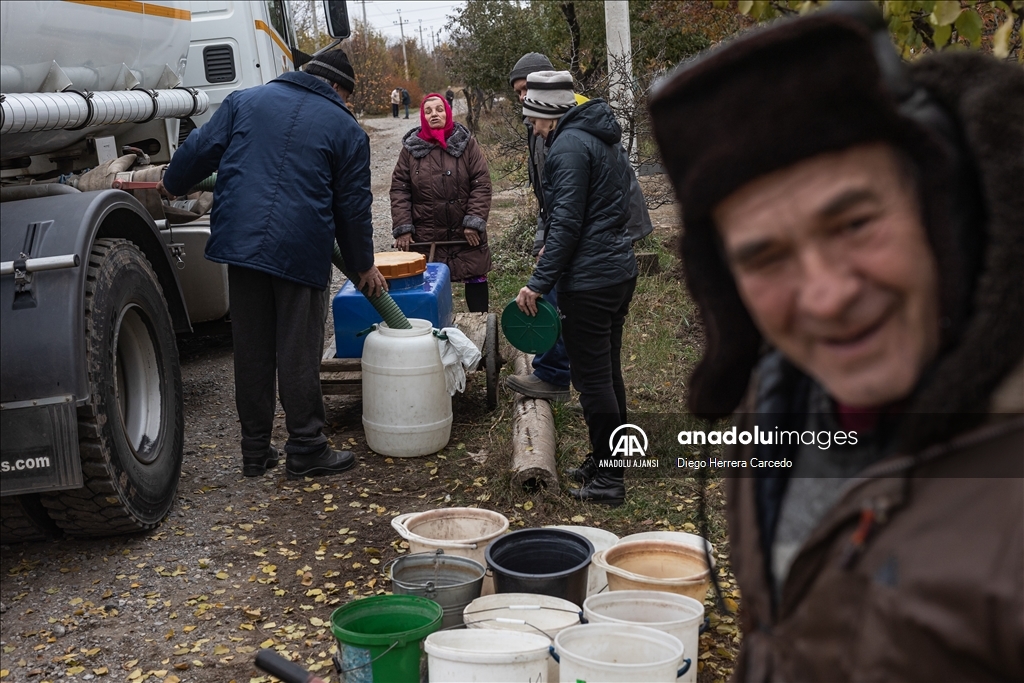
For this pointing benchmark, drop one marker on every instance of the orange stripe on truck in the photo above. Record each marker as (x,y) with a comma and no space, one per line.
(262,26)
(148,8)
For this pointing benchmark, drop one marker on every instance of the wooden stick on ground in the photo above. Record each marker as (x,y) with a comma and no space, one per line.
(533,437)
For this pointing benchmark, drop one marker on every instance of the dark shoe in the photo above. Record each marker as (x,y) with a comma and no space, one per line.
(328,462)
(605,489)
(532,387)
(256,464)
(585,472)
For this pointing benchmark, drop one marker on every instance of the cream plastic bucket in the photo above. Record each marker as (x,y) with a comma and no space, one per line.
(618,653)
(654,565)
(676,536)
(676,615)
(602,540)
(465,532)
(407,411)
(476,656)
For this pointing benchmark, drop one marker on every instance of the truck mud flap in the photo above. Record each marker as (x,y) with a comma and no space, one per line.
(39,446)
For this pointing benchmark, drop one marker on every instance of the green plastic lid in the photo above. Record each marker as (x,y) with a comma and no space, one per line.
(531,334)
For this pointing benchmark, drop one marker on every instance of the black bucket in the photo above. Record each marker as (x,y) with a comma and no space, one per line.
(544,561)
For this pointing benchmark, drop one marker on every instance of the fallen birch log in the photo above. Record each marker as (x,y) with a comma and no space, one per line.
(533,437)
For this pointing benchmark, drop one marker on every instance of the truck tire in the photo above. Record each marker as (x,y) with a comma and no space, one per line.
(131,429)
(23,518)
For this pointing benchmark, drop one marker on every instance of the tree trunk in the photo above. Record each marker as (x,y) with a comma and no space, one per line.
(471,112)
(569,10)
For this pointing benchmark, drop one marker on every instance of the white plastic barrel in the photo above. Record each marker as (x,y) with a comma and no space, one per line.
(471,656)
(407,411)
(602,540)
(676,615)
(617,653)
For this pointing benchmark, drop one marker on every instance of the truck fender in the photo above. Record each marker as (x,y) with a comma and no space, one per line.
(42,340)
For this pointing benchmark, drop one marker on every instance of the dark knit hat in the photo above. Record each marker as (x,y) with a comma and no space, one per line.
(335,67)
(794,90)
(548,94)
(528,64)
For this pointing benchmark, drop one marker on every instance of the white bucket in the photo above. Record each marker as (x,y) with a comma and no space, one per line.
(676,615)
(618,653)
(465,532)
(675,536)
(602,540)
(524,613)
(406,407)
(474,655)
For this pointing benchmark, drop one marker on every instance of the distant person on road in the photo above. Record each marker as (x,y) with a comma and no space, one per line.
(441,192)
(396,99)
(449,95)
(275,217)
(405,101)
(855,250)
(588,256)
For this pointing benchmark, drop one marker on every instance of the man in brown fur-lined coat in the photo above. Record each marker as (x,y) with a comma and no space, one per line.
(854,237)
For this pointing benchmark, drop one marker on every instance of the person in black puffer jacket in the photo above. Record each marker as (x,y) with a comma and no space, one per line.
(588,252)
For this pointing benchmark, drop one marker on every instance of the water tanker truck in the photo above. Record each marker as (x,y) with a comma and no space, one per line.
(97,283)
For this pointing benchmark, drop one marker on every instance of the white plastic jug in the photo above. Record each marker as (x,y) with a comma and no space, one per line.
(618,653)
(476,655)
(406,407)
(677,615)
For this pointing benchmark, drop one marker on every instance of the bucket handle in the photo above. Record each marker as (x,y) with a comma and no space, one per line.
(685,667)
(341,672)
(597,560)
(682,671)
(705,626)
(398,524)
(504,620)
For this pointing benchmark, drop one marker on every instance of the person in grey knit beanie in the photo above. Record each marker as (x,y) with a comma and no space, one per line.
(527,64)
(550,377)
(549,95)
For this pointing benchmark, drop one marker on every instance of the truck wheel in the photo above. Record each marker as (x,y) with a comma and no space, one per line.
(131,429)
(23,518)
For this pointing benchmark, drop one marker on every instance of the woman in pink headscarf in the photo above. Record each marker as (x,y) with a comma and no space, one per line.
(441,192)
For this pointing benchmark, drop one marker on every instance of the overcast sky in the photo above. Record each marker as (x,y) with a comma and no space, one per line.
(382,15)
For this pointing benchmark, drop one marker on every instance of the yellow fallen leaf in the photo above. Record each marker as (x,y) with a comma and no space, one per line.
(528,505)
(316,621)
(102,671)
(222,575)
(307,579)
(221,650)
(577,519)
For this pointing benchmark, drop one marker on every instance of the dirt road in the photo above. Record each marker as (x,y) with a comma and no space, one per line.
(240,563)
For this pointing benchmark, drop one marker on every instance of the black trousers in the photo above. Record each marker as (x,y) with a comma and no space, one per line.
(592,323)
(394,110)
(278,329)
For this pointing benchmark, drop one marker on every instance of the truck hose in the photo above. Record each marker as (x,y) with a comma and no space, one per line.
(383,302)
(205,185)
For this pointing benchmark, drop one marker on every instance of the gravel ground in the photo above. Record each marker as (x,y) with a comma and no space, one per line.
(240,563)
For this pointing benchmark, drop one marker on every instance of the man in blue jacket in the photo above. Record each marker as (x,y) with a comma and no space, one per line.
(293,175)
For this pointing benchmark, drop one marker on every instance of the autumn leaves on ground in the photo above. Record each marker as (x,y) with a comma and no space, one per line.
(242,564)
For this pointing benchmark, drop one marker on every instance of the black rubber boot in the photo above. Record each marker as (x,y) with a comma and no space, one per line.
(607,488)
(256,464)
(585,472)
(477,298)
(328,462)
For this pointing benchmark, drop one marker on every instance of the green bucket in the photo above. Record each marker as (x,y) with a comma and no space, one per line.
(379,637)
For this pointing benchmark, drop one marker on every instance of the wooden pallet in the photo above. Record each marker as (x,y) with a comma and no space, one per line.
(344,376)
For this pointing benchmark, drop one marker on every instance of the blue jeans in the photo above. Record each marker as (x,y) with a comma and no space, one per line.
(552,366)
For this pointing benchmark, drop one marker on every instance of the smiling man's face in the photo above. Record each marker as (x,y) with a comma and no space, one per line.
(831,259)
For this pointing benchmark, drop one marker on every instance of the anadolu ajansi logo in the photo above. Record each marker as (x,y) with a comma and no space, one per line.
(625,441)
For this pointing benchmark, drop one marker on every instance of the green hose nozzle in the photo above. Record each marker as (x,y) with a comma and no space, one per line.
(383,303)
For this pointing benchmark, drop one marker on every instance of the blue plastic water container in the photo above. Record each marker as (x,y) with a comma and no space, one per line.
(427,296)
